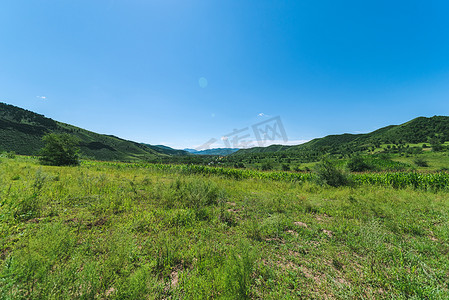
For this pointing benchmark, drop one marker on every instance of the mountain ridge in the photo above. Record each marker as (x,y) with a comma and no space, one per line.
(417,130)
(22,130)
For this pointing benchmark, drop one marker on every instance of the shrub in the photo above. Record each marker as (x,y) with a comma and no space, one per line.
(11,155)
(328,173)
(239,165)
(266,166)
(421,162)
(60,150)
(358,164)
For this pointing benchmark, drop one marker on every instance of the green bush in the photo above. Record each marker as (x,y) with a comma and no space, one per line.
(60,150)
(421,162)
(358,164)
(11,154)
(266,166)
(328,173)
(285,167)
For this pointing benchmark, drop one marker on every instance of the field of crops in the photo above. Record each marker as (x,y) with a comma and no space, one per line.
(427,181)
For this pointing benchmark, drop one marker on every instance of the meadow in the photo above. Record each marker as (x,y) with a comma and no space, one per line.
(151,231)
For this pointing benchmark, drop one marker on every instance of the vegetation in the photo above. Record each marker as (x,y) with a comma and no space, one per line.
(370,221)
(137,231)
(328,173)
(434,130)
(358,164)
(421,162)
(22,131)
(60,150)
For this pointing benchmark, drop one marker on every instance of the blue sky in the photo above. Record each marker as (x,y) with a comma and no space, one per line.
(182,72)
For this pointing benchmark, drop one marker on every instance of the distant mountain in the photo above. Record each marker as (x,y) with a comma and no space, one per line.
(215,151)
(190,150)
(419,130)
(22,131)
(167,150)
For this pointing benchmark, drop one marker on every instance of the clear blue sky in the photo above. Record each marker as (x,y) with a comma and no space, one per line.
(133,68)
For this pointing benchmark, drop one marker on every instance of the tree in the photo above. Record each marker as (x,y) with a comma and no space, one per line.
(60,150)
(436,144)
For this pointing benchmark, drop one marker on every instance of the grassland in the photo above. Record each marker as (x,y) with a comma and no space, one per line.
(122,231)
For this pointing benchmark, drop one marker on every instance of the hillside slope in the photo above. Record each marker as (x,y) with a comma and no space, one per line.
(167,150)
(418,130)
(22,130)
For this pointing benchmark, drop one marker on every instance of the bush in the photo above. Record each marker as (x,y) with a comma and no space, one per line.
(327,173)
(239,165)
(421,162)
(11,154)
(60,150)
(285,167)
(357,164)
(266,166)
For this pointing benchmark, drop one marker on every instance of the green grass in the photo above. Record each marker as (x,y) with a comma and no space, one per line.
(121,231)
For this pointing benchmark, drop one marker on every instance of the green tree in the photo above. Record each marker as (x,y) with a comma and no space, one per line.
(60,150)
(436,144)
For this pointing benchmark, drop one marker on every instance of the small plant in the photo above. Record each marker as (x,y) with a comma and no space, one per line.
(421,162)
(238,270)
(11,155)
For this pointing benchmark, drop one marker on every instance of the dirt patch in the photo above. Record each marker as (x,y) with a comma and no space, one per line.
(110,291)
(275,239)
(322,217)
(34,220)
(292,232)
(4,253)
(300,224)
(309,274)
(174,278)
(98,223)
(328,232)
(287,265)
(296,253)
(73,220)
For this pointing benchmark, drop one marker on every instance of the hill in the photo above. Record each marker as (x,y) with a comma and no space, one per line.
(419,130)
(21,131)
(167,150)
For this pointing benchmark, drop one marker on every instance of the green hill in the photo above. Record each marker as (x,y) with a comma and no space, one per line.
(167,150)
(419,130)
(21,131)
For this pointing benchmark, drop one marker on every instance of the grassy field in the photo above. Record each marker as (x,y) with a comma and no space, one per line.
(109,231)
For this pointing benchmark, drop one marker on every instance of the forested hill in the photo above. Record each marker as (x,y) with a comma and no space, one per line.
(168,150)
(419,130)
(21,131)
